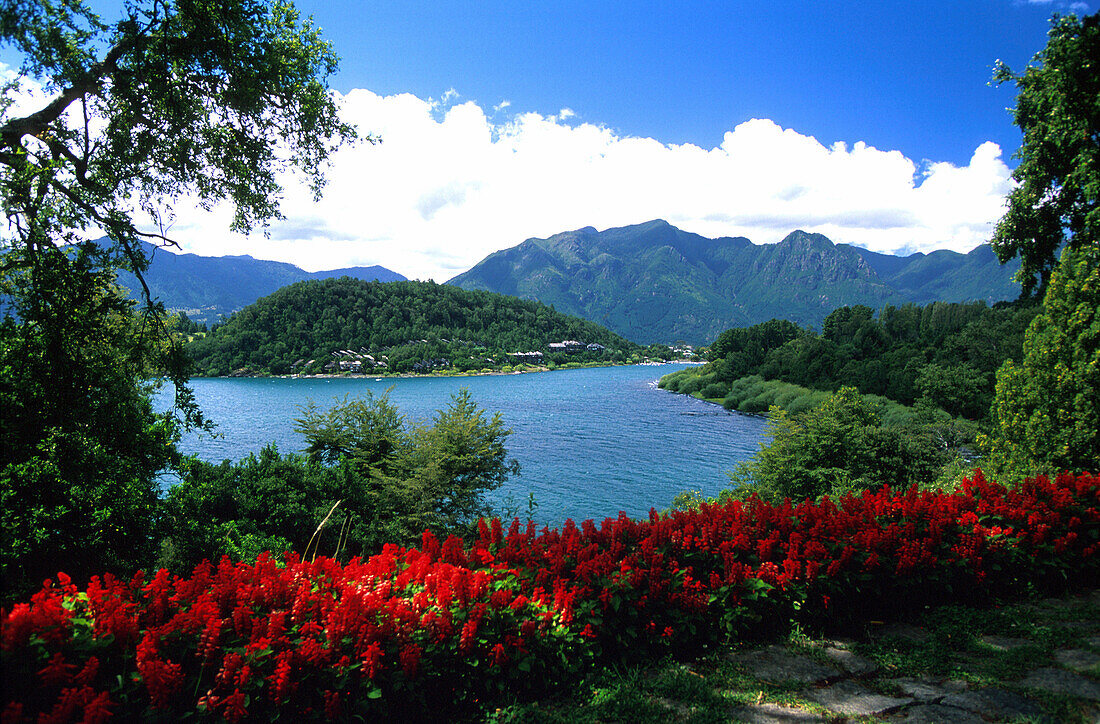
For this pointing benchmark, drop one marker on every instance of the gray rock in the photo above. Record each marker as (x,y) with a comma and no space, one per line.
(926,689)
(1058,604)
(775,664)
(1004,643)
(773,714)
(904,631)
(1079,627)
(1063,682)
(851,663)
(1093,641)
(993,702)
(853,699)
(1077,659)
(938,714)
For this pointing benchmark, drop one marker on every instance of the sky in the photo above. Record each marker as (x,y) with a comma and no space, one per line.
(874,123)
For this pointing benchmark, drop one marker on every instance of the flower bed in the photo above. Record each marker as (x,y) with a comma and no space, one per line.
(411,630)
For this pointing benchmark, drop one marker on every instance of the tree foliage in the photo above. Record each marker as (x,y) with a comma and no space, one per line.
(1046,413)
(82,445)
(392,479)
(944,354)
(1058,109)
(407,322)
(211,100)
(839,447)
(203,99)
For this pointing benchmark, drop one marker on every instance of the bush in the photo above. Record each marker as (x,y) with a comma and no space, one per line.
(838,447)
(374,477)
(715,390)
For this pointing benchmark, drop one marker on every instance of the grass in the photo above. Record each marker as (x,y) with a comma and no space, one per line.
(953,644)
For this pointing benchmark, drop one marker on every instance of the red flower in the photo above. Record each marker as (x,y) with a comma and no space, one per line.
(410,659)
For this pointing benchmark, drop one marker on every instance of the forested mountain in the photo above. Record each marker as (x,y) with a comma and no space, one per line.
(208,287)
(396,327)
(653,282)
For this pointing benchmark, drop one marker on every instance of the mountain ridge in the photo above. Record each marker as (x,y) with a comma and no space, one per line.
(653,282)
(209,287)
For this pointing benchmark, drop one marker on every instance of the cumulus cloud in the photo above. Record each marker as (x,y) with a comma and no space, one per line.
(453,182)
(447,188)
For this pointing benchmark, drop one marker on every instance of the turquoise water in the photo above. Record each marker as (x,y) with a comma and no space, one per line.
(590,442)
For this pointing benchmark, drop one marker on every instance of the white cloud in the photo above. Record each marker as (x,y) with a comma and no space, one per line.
(450,185)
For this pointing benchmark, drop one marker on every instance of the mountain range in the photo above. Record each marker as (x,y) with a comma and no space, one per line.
(653,282)
(208,287)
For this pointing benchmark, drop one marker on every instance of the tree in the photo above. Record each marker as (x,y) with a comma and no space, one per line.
(1046,413)
(1045,410)
(838,447)
(211,100)
(365,431)
(81,443)
(1057,200)
(959,389)
(392,481)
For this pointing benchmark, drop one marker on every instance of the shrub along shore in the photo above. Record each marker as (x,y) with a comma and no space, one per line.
(411,630)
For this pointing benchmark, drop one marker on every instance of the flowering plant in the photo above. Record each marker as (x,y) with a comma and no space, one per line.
(460,622)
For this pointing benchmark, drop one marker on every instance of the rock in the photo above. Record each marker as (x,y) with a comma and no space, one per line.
(1063,682)
(1004,643)
(851,663)
(1079,627)
(773,714)
(904,631)
(775,664)
(993,702)
(938,714)
(852,699)
(927,690)
(1093,641)
(1057,604)
(1077,659)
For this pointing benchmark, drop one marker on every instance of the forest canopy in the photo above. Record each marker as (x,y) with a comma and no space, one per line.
(300,327)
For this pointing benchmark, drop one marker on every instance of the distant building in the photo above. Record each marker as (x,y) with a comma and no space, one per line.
(567,345)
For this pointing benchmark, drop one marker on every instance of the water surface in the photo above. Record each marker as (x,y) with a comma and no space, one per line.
(590,442)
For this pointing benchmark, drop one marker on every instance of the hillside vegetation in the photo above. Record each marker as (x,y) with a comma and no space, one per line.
(946,355)
(653,282)
(396,327)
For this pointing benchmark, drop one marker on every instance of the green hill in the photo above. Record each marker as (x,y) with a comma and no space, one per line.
(352,325)
(653,282)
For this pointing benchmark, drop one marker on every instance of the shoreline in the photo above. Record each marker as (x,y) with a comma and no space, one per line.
(410,375)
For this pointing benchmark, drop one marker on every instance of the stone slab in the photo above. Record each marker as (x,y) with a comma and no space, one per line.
(1077,659)
(775,664)
(853,699)
(939,714)
(998,703)
(927,690)
(1063,682)
(904,631)
(849,662)
(1080,628)
(774,714)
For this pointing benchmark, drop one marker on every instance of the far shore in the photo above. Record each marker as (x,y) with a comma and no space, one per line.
(410,375)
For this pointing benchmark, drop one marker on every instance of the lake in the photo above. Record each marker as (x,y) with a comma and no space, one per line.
(590,442)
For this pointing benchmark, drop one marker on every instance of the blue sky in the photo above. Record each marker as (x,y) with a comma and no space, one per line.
(873,123)
(911,76)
